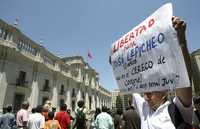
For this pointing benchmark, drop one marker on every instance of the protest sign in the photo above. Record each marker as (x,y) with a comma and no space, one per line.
(149,58)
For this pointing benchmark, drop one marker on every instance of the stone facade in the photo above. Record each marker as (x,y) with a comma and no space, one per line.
(28,71)
(195,57)
(115,93)
(124,99)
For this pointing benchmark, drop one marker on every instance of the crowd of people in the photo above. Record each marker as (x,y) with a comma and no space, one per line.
(43,117)
(152,110)
(106,119)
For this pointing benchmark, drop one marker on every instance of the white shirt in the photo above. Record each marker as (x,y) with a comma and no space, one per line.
(104,121)
(22,116)
(36,121)
(159,119)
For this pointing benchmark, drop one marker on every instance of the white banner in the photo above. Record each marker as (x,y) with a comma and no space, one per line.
(148,58)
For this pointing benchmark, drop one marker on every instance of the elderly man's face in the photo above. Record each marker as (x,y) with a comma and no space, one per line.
(154,99)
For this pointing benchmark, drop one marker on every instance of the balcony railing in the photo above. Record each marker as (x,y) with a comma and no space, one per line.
(46,88)
(62,92)
(21,82)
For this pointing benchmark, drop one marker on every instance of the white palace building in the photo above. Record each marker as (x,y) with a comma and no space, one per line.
(28,71)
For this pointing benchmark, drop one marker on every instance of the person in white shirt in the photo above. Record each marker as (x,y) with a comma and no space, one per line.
(23,115)
(153,108)
(36,120)
(104,120)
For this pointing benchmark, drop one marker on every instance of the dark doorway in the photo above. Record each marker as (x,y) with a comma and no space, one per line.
(18,100)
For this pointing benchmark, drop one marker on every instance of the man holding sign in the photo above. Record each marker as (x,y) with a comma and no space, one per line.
(152,59)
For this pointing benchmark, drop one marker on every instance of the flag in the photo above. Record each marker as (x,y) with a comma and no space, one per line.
(89,54)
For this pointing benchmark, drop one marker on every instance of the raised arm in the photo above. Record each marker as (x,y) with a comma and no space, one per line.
(184,94)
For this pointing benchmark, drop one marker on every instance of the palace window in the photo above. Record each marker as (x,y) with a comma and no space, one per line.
(21,80)
(83,78)
(73,93)
(5,35)
(90,102)
(1,32)
(46,85)
(62,90)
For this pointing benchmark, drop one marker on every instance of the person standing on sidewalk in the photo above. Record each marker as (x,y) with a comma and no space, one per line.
(22,116)
(63,117)
(104,120)
(131,117)
(80,118)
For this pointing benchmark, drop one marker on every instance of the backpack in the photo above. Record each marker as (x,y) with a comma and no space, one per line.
(177,118)
(80,119)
